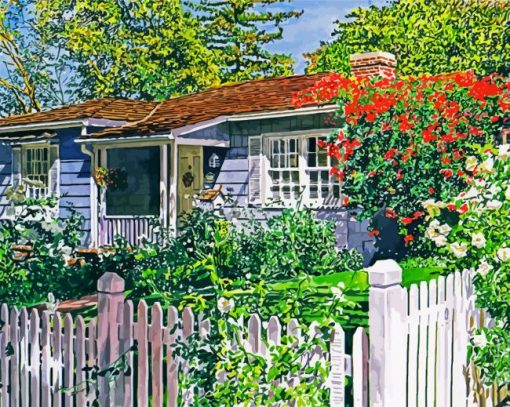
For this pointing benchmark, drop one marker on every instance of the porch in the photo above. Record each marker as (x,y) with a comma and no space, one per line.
(144,187)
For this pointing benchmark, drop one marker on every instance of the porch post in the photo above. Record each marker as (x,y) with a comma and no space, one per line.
(163,182)
(94,219)
(173,186)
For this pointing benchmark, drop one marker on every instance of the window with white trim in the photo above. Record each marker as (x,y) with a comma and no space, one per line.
(297,168)
(36,163)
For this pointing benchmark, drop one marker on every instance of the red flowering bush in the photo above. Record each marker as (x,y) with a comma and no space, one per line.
(404,141)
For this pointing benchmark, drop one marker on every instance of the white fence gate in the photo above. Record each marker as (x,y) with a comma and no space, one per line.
(419,340)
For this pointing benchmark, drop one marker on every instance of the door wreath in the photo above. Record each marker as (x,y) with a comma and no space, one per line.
(187,179)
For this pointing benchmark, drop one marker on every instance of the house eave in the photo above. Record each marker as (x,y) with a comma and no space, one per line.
(124,140)
(62,124)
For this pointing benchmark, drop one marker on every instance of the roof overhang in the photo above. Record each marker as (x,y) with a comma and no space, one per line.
(177,133)
(254,116)
(126,140)
(62,124)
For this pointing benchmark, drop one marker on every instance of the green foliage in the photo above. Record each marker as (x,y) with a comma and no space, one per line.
(427,36)
(237,31)
(27,278)
(228,373)
(145,49)
(477,240)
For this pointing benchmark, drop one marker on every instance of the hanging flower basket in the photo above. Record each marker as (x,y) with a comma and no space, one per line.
(110,178)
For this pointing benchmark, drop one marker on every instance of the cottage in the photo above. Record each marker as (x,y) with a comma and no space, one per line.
(245,142)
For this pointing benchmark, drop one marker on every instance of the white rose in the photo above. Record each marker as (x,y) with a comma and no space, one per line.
(487,166)
(471,163)
(504,253)
(444,229)
(483,268)
(478,240)
(459,249)
(225,305)
(472,193)
(504,152)
(480,340)
(494,204)
(440,241)
(431,232)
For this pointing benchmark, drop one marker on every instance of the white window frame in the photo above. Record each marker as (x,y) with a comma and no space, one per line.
(25,173)
(303,171)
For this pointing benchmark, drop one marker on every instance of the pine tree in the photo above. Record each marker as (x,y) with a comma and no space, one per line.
(238,31)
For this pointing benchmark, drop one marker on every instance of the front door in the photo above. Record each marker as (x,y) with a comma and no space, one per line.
(190,176)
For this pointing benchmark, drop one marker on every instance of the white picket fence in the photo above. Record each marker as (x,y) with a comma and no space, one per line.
(416,355)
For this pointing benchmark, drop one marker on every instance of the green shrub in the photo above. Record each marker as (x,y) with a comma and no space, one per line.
(52,242)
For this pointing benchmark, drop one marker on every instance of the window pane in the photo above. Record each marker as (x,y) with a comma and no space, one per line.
(322,158)
(313,191)
(141,169)
(312,144)
(294,161)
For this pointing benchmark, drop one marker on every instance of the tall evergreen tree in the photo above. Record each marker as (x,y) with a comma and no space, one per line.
(238,32)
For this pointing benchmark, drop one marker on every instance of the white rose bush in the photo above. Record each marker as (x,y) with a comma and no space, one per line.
(472,232)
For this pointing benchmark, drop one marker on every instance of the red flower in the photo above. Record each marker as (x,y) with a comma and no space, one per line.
(494,119)
(407,220)
(374,232)
(463,208)
(321,143)
(417,215)
(390,214)
(371,174)
(432,191)
(451,207)
(390,154)
(475,131)
(399,174)
(447,173)
(345,201)
(408,238)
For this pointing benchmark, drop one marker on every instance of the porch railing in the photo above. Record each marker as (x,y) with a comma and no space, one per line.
(37,192)
(134,230)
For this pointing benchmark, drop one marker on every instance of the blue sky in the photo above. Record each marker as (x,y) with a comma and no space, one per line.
(305,33)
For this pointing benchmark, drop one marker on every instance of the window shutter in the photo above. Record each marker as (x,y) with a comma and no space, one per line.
(255,170)
(16,166)
(54,171)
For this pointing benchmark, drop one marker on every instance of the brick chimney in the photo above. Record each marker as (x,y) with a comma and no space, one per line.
(373,64)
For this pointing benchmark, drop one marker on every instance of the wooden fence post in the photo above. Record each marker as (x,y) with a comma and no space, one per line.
(388,335)
(110,289)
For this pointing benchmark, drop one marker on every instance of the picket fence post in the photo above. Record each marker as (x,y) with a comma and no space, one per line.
(388,335)
(110,297)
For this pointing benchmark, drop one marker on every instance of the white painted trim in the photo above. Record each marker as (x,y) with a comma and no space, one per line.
(42,126)
(173,217)
(126,140)
(94,218)
(163,182)
(130,216)
(63,124)
(202,142)
(92,122)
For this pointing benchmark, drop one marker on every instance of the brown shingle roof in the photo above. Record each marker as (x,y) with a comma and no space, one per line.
(107,108)
(253,96)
